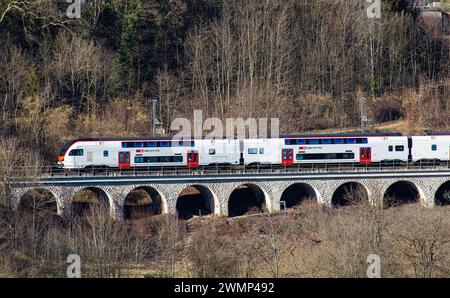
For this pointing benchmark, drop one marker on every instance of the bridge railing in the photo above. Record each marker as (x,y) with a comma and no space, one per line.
(49,171)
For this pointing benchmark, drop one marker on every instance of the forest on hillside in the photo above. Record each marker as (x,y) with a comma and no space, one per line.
(306,62)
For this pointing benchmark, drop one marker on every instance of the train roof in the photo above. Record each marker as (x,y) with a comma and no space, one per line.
(163,138)
(342,135)
(210,137)
(437,133)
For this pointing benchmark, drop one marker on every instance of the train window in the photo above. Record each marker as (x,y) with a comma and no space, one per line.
(154,159)
(164,159)
(252,150)
(326,141)
(164,144)
(433,147)
(332,156)
(391,148)
(105,153)
(400,148)
(295,142)
(313,141)
(324,156)
(361,141)
(261,150)
(338,141)
(290,142)
(212,151)
(151,144)
(128,144)
(138,144)
(64,149)
(76,152)
(350,141)
(183,143)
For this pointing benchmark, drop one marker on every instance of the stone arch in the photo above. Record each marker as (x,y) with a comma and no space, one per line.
(350,193)
(402,192)
(40,200)
(196,199)
(297,192)
(248,197)
(86,198)
(143,201)
(442,194)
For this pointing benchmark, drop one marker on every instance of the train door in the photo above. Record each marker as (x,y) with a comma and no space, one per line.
(365,155)
(124,160)
(89,157)
(192,159)
(287,157)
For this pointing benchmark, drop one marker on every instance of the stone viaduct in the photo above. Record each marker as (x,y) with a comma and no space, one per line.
(219,190)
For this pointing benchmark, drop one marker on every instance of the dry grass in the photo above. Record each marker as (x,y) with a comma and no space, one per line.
(308,241)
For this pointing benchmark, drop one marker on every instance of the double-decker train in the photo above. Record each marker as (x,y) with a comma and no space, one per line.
(286,150)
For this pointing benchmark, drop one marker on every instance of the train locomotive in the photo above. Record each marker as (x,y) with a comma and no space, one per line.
(287,150)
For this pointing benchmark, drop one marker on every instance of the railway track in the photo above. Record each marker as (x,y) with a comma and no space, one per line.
(221,170)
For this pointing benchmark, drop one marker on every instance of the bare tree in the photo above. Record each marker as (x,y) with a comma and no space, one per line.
(423,243)
(170,245)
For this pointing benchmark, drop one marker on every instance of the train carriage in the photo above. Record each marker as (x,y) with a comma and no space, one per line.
(344,148)
(262,152)
(148,152)
(431,148)
(290,150)
(218,152)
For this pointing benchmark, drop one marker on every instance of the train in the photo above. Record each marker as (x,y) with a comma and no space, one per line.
(286,150)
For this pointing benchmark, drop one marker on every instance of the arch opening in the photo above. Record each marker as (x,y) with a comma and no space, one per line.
(400,193)
(349,194)
(88,200)
(142,202)
(297,194)
(442,196)
(195,200)
(38,201)
(246,199)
